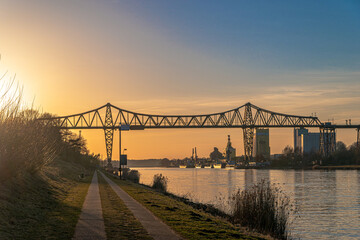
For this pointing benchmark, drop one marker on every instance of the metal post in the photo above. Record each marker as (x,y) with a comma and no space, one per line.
(332,140)
(358,146)
(120,150)
(327,140)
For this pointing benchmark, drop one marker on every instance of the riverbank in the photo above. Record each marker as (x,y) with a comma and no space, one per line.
(343,167)
(189,222)
(44,205)
(316,167)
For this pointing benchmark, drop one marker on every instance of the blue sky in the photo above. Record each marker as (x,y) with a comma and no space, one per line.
(280,35)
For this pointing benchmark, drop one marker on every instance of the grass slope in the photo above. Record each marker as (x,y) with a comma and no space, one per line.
(187,221)
(120,223)
(45,205)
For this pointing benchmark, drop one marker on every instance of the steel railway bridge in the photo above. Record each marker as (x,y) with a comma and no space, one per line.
(248,117)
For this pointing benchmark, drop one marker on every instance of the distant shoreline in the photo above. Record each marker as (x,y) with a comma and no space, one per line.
(345,167)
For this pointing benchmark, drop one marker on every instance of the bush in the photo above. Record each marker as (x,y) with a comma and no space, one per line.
(131,175)
(263,207)
(125,172)
(27,143)
(134,176)
(160,182)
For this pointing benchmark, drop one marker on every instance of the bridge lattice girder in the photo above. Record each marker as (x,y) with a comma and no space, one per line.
(248,134)
(109,133)
(235,118)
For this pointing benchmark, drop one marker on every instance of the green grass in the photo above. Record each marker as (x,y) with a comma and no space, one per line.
(185,220)
(45,205)
(120,223)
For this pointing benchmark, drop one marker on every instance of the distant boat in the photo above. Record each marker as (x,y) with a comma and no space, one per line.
(216,165)
(182,166)
(230,164)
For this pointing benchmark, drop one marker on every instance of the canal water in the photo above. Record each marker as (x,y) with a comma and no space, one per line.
(328,202)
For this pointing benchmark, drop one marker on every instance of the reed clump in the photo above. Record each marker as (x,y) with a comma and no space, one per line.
(263,207)
(160,182)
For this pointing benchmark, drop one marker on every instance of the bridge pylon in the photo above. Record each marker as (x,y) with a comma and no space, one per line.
(248,134)
(358,138)
(327,140)
(109,133)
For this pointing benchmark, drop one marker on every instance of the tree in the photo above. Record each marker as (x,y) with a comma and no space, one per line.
(340,146)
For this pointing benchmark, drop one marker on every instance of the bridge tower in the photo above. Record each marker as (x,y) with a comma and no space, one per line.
(327,140)
(248,134)
(109,133)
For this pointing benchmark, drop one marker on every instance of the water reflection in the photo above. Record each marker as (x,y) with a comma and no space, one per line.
(230,184)
(328,201)
(358,196)
(249,177)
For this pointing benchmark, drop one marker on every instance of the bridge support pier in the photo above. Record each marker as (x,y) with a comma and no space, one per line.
(248,134)
(327,141)
(248,144)
(358,138)
(109,134)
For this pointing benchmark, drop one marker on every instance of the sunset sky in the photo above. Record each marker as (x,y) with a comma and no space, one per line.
(185,57)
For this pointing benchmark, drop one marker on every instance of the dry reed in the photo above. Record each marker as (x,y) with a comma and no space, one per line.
(263,207)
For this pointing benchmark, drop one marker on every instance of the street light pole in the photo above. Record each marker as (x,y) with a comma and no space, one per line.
(120,150)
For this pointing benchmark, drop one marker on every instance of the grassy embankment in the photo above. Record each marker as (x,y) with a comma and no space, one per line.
(120,223)
(44,205)
(185,220)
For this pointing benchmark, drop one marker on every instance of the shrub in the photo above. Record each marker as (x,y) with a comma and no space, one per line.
(262,207)
(131,175)
(134,176)
(160,182)
(27,143)
(125,172)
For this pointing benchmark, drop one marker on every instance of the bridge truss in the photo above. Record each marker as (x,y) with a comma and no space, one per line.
(248,117)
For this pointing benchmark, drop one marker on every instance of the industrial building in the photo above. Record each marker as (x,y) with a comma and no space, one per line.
(262,143)
(298,132)
(230,152)
(305,141)
(310,142)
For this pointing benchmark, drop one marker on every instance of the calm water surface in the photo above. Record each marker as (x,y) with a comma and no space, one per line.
(328,202)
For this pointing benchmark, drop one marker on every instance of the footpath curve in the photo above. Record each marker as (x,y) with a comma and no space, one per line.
(153,225)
